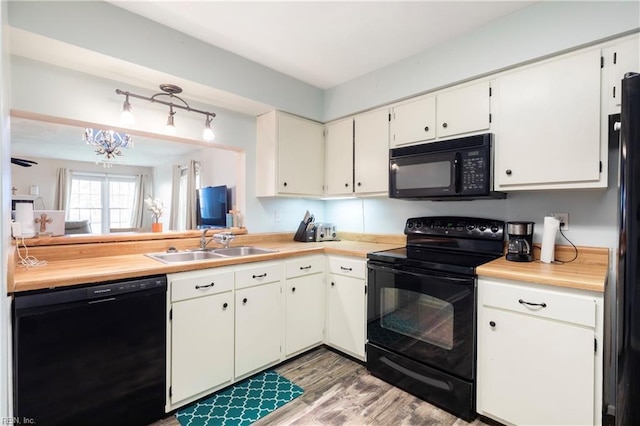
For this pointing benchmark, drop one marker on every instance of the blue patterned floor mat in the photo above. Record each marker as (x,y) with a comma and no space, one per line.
(242,403)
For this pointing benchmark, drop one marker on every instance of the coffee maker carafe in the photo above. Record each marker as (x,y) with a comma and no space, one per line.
(520,246)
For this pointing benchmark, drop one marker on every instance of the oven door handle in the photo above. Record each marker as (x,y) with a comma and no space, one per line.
(418,273)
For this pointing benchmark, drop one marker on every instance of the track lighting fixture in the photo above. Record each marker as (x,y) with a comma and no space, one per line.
(171,91)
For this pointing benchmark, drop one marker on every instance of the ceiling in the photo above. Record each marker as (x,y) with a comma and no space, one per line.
(324,43)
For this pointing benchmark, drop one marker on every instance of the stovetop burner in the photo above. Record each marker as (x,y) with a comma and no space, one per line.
(447,244)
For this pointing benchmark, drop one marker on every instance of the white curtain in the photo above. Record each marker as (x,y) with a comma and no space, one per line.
(174,214)
(191,219)
(62,189)
(138,215)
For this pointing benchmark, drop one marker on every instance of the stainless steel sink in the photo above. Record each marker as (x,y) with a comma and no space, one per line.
(185,256)
(199,255)
(242,251)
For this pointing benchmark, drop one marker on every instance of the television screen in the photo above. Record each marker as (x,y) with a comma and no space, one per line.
(212,206)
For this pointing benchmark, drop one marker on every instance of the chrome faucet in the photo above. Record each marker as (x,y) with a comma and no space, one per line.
(223,238)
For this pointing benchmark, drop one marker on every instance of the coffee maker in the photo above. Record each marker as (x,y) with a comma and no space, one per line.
(520,246)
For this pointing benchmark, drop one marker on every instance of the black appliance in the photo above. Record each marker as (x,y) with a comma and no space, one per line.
(456,169)
(627,410)
(421,318)
(91,355)
(520,245)
(212,206)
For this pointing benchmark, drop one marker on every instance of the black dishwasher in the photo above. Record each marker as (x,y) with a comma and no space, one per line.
(91,355)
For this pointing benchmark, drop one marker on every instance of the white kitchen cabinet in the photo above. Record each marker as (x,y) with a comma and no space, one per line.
(539,354)
(358,154)
(371,152)
(618,60)
(548,125)
(201,333)
(339,170)
(258,307)
(289,155)
(304,303)
(455,111)
(463,110)
(346,305)
(413,121)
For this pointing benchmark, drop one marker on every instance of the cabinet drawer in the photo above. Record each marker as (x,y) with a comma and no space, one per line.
(304,266)
(349,267)
(187,285)
(548,303)
(260,273)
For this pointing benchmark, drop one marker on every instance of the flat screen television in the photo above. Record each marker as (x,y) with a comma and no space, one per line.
(212,206)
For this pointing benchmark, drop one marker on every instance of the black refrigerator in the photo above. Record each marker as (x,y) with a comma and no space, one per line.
(627,410)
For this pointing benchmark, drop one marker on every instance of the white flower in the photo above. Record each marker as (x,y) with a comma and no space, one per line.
(155,206)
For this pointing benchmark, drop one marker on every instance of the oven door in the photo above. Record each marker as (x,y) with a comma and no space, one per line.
(433,174)
(424,315)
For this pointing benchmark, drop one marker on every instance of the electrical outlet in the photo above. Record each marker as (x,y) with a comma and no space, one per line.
(277,215)
(564,220)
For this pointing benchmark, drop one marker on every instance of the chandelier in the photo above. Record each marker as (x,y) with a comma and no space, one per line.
(107,143)
(169,91)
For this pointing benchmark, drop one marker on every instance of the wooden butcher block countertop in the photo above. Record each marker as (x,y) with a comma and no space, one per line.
(588,272)
(102,260)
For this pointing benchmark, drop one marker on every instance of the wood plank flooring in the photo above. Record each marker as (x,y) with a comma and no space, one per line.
(339,391)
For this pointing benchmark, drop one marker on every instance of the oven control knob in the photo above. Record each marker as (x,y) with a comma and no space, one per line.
(482,228)
(471,227)
(495,229)
(410,224)
(418,224)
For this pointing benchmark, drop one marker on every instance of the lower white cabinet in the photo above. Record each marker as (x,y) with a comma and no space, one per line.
(346,305)
(304,304)
(258,317)
(539,354)
(201,322)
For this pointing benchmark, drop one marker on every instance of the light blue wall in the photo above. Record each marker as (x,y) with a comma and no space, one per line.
(541,29)
(112,31)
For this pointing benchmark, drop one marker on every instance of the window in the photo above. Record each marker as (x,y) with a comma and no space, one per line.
(106,201)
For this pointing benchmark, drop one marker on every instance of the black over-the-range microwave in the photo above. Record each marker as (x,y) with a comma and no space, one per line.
(455,169)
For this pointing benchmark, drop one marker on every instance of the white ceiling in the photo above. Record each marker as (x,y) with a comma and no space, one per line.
(323,43)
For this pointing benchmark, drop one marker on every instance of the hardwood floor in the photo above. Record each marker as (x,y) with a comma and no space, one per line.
(339,391)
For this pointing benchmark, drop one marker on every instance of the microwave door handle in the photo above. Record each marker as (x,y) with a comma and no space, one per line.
(457,169)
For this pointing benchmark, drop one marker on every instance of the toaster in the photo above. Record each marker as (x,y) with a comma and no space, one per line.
(326,232)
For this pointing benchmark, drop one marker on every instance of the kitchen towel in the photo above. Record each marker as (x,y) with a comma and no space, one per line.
(243,403)
(551,226)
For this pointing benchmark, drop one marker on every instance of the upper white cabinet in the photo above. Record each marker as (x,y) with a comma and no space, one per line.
(548,125)
(371,152)
(618,60)
(289,155)
(539,354)
(456,111)
(358,154)
(463,110)
(339,141)
(413,121)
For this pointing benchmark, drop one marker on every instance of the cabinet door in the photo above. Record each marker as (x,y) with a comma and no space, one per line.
(413,122)
(304,312)
(548,123)
(339,138)
(535,371)
(258,325)
(300,156)
(201,345)
(346,321)
(463,110)
(371,168)
(619,60)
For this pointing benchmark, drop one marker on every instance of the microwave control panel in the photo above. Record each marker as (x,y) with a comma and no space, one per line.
(475,171)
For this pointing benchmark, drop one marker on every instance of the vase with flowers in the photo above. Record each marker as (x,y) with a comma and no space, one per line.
(155,206)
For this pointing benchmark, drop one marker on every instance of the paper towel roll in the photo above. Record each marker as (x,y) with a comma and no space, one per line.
(551,226)
(24,215)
